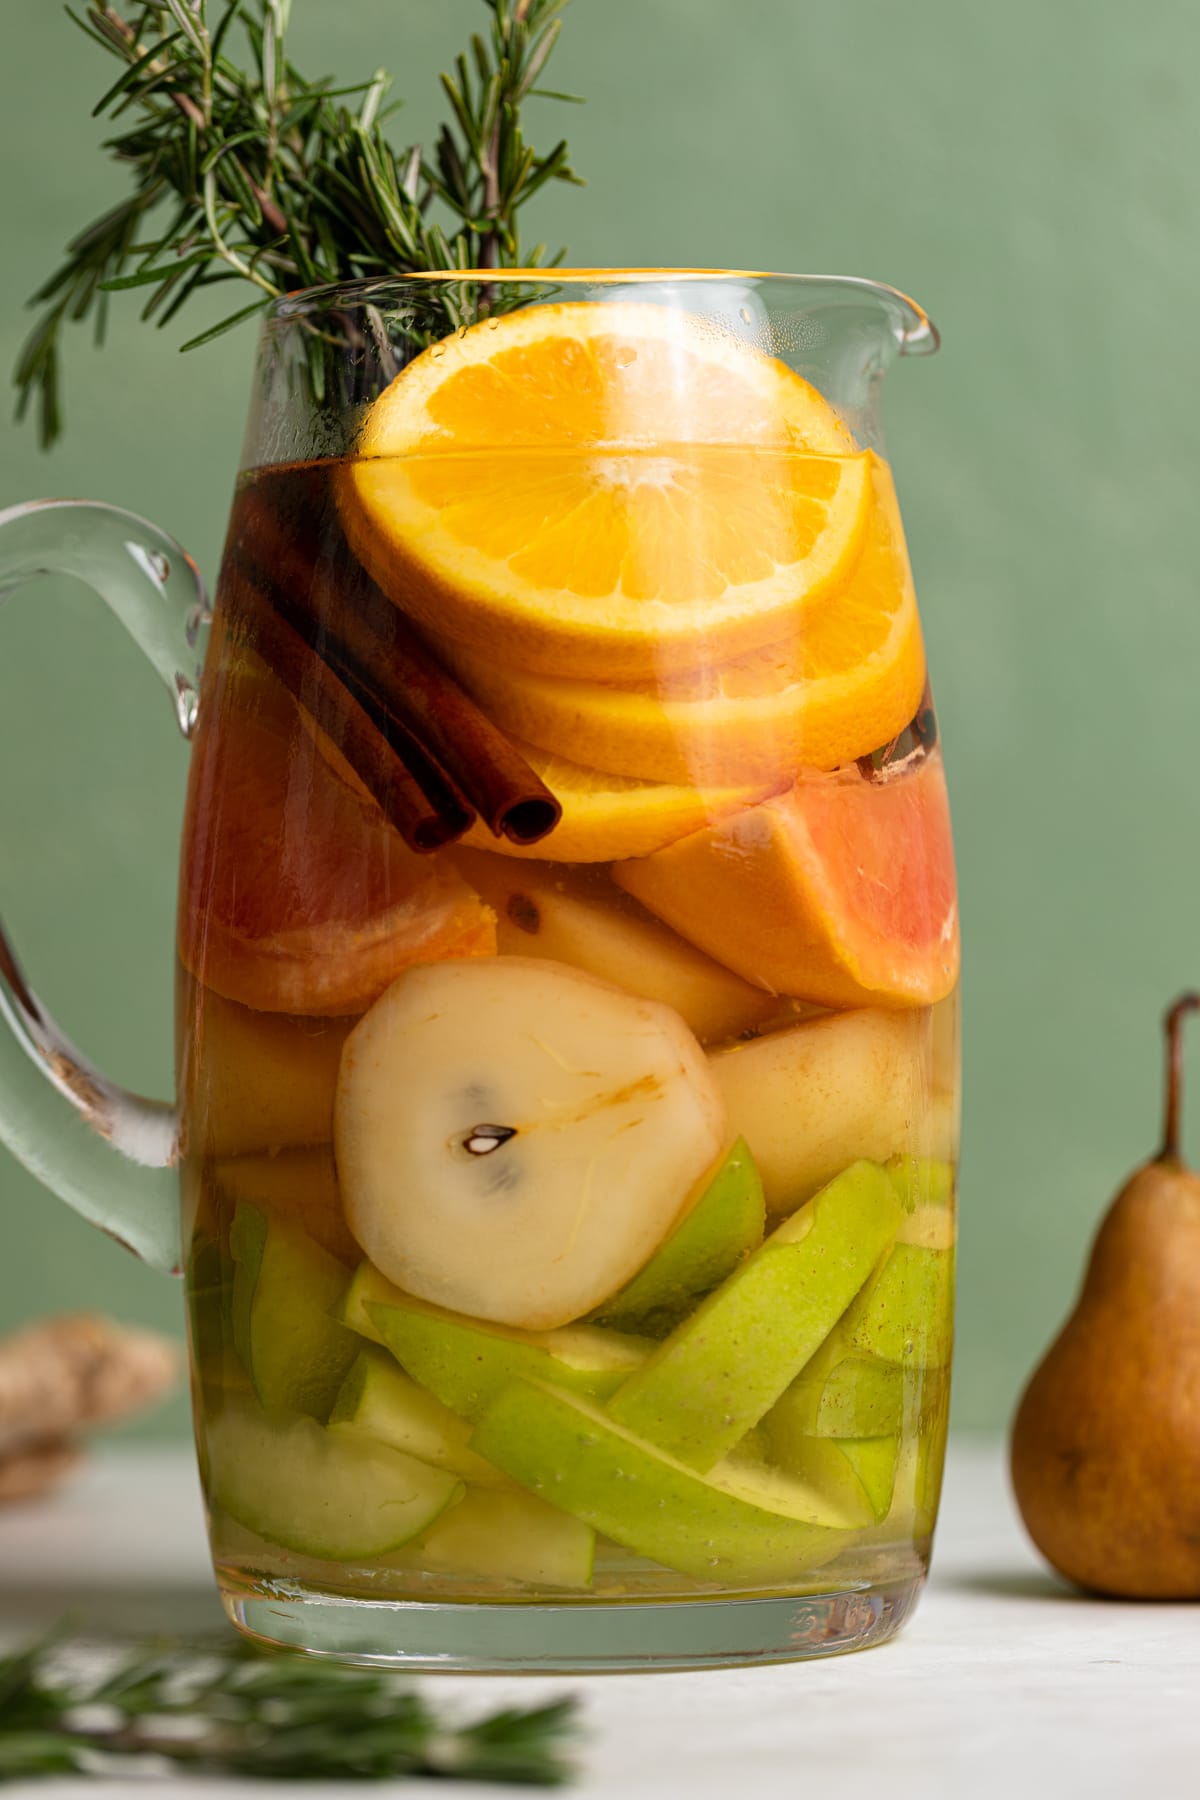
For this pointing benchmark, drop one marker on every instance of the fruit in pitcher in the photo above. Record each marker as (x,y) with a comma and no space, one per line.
(740,1524)
(716,1234)
(299,1186)
(1106,1441)
(841,1394)
(284,1287)
(716,1376)
(515,1138)
(906,1314)
(849,882)
(598,535)
(321,1493)
(849,679)
(606,818)
(378,1398)
(317,921)
(811,1099)
(856,1476)
(573,917)
(509,1537)
(464,1362)
(257,1081)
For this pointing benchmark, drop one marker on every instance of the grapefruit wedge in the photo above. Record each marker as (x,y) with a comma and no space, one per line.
(840,891)
(297,896)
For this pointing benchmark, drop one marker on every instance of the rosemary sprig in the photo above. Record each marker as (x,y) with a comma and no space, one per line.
(283,182)
(273,1716)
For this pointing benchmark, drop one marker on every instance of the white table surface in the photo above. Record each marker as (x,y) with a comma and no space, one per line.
(1004,1684)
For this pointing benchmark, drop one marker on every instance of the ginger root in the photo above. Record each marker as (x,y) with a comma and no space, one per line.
(64,1377)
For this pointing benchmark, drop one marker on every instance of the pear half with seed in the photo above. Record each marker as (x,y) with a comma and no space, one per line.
(514,1138)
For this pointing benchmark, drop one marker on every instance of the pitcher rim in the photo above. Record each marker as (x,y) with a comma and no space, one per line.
(916,332)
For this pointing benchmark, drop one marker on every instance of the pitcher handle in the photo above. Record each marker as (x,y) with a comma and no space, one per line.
(107,1152)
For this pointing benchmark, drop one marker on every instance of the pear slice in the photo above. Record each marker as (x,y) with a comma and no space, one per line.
(380,1399)
(574,917)
(300,1185)
(719,1373)
(813,1098)
(718,1232)
(330,1494)
(515,1138)
(464,1362)
(741,1525)
(284,1289)
(255,1081)
(506,1537)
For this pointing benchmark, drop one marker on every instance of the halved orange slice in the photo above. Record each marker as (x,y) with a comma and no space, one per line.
(848,680)
(296,895)
(609,817)
(604,490)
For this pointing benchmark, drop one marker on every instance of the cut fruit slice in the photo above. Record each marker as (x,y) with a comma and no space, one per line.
(256,1081)
(726,1366)
(321,1493)
(740,1525)
(853,1396)
(465,1362)
(606,818)
(284,1288)
(505,1537)
(379,1399)
(515,1138)
(298,1186)
(296,894)
(353,1310)
(651,493)
(852,1477)
(874,1461)
(906,1315)
(848,680)
(578,917)
(927,1192)
(721,1229)
(849,883)
(812,1098)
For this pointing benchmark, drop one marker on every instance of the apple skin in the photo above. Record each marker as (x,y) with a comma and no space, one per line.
(716,1234)
(464,1362)
(716,1376)
(329,1494)
(378,1399)
(504,1536)
(285,1287)
(906,1314)
(741,1526)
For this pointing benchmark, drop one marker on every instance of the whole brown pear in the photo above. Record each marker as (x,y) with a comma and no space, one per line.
(1106,1441)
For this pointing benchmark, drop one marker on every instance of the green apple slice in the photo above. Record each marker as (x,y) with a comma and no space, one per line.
(330,1494)
(874,1461)
(505,1536)
(366,1285)
(739,1525)
(284,1287)
(920,1182)
(378,1398)
(465,1362)
(715,1377)
(723,1226)
(906,1314)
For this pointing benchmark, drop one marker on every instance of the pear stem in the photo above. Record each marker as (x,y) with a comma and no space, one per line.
(1173,1024)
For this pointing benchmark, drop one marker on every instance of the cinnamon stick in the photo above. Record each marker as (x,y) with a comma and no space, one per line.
(376,651)
(427,813)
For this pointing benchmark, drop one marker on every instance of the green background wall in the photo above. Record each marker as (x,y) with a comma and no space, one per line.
(1030,173)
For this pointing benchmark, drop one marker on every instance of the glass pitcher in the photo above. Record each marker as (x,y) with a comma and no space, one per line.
(567,978)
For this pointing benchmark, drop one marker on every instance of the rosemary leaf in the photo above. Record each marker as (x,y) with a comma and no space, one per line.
(283,181)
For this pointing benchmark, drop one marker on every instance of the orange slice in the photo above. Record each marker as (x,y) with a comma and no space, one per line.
(849,680)
(296,894)
(604,490)
(840,891)
(608,817)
